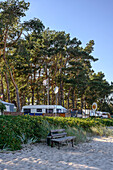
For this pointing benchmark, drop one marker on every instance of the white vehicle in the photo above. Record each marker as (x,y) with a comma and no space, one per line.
(9,106)
(39,110)
(106,115)
(100,114)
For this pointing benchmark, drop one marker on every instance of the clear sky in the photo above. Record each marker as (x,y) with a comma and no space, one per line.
(84,19)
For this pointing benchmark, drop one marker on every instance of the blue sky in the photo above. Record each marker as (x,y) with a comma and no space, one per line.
(84,19)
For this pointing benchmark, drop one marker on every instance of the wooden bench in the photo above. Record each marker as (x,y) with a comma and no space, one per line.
(59,136)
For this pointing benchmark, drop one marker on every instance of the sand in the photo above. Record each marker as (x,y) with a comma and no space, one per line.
(96,154)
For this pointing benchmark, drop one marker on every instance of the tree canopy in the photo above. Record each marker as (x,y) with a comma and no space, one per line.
(30,54)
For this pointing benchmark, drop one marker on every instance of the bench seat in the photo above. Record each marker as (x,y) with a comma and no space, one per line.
(64,139)
(59,136)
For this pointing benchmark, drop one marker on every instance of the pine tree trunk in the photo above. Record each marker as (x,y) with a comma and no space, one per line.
(68,97)
(52,98)
(76,102)
(61,83)
(61,93)
(8,91)
(18,100)
(73,99)
(81,104)
(68,100)
(33,85)
(32,96)
(23,100)
(7,66)
(17,92)
(28,100)
(2,87)
(45,92)
(63,97)
(37,97)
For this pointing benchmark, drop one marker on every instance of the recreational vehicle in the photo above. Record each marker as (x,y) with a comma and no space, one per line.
(39,110)
(9,106)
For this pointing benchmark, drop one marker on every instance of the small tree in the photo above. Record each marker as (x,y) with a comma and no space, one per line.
(2,107)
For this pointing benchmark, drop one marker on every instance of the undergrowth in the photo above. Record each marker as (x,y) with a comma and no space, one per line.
(18,130)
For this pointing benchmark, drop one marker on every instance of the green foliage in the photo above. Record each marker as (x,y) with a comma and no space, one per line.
(2,107)
(25,129)
(17,130)
(34,25)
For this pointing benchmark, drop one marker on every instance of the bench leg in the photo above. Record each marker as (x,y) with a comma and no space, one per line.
(51,143)
(72,142)
(58,145)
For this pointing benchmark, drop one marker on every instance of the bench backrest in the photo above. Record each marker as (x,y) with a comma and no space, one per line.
(57,130)
(58,133)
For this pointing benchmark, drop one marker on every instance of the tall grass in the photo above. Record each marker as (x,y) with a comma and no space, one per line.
(101,131)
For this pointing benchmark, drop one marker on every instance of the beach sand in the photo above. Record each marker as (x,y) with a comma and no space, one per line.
(96,154)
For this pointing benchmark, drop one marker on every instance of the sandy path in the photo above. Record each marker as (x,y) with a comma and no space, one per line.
(96,154)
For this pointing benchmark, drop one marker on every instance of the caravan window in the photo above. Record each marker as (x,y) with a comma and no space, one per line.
(27,110)
(58,110)
(49,110)
(39,110)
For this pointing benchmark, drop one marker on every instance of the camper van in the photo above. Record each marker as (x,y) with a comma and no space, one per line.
(39,110)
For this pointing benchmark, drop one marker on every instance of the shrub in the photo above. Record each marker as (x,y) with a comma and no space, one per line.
(2,107)
(16,130)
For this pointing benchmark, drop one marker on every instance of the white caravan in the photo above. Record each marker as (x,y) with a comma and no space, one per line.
(39,110)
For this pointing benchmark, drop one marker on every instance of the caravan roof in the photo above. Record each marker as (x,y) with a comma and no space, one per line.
(45,106)
(6,103)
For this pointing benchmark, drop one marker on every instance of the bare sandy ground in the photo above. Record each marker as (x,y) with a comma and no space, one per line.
(96,155)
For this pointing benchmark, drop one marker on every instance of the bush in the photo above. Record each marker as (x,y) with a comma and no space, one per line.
(16,130)
(2,107)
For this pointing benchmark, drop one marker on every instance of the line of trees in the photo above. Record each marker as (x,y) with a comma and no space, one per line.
(29,54)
